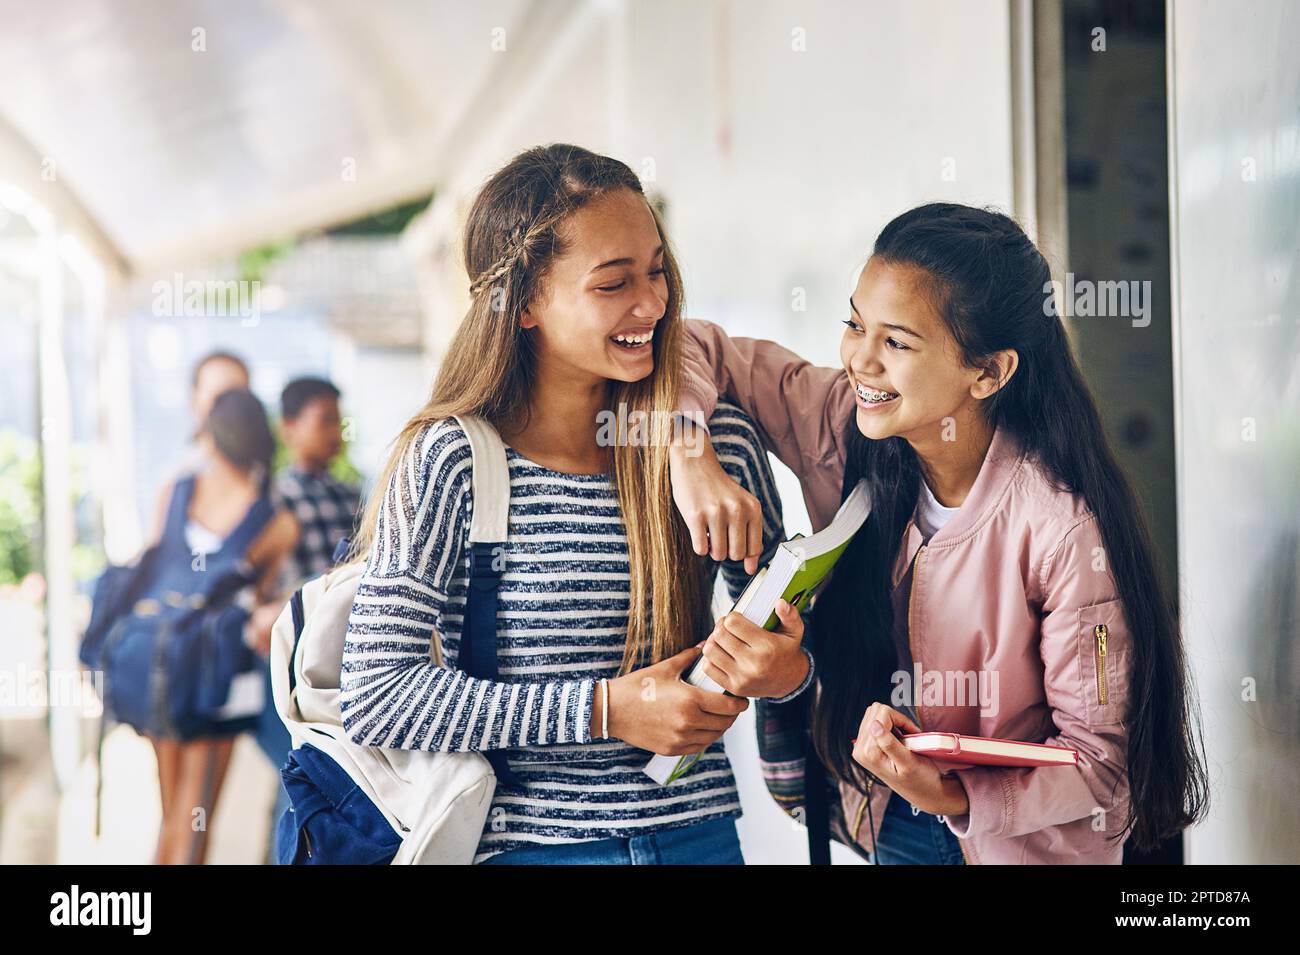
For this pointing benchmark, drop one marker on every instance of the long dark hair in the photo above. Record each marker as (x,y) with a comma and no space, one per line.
(989,283)
(242,435)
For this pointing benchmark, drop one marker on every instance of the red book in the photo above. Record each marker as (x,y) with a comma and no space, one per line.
(981,751)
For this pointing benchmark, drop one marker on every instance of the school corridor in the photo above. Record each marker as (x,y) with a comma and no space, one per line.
(268,199)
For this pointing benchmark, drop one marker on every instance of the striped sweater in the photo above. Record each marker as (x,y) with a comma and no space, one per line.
(561,626)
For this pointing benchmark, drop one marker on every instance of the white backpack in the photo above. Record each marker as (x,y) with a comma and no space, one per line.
(436,802)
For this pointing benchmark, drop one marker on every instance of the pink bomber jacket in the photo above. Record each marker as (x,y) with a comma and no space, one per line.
(1013,591)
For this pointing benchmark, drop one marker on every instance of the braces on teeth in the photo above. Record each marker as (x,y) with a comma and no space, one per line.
(876,396)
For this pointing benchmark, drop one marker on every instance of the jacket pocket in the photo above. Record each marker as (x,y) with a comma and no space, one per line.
(1104,661)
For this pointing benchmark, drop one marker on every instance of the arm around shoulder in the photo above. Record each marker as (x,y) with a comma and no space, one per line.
(802,408)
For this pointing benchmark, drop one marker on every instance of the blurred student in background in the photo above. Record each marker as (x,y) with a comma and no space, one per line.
(326,511)
(209,508)
(326,508)
(214,373)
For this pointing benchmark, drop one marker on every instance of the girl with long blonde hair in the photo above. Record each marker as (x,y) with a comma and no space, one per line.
(576,315)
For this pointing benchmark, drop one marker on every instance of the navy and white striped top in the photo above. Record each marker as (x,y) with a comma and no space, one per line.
(561,626)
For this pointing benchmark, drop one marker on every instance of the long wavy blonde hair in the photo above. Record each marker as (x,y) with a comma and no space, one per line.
(511,239)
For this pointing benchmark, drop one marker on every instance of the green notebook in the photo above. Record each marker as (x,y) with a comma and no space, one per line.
(799,567)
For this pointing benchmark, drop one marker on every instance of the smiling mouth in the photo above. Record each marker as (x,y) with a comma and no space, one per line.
(633,342)
(872,397)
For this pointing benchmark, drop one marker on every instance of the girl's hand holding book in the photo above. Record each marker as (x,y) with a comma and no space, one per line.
(916,778)
(747,660)
(653,709)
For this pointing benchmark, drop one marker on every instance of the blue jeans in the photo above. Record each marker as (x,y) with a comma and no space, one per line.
(275,742)
(908,838)
(706,843)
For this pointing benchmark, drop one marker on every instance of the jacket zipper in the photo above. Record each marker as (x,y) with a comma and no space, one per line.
(857,819)
(911,593)
(916,704)
(1100,632)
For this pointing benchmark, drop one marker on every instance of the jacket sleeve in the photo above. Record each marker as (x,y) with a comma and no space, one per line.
(393,694)
(801,409)
(1087,690)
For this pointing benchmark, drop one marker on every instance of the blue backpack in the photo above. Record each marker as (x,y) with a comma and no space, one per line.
(167,633)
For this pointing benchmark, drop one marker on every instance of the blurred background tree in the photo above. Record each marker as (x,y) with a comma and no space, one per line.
(21,498)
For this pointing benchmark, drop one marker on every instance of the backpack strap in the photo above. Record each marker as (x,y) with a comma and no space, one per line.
(491,481)
(490,487)
(178,508)
(816,808)
(299,624)
(99,770)
(816,798)
(254,522)
(487,538)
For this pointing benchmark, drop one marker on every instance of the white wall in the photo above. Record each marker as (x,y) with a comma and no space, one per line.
(382,389)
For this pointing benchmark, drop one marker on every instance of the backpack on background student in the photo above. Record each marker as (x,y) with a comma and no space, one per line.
(354,804)
(167,632)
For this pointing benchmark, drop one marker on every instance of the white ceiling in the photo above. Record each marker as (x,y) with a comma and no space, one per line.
(176,154)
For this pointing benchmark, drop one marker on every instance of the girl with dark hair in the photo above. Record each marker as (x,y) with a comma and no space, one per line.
(205,523)
(1004,584)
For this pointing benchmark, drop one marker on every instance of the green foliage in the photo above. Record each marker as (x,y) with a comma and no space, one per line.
(20,506)
(390,221)
(341,468)
(254,263)
(22,497)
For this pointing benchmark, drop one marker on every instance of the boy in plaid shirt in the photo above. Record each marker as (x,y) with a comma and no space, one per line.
(326,508)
